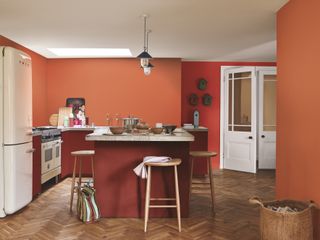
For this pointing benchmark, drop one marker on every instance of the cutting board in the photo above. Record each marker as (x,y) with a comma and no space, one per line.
(53,120)
(63,112)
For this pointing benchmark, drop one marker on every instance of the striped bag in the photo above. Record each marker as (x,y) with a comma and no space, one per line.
(87,207)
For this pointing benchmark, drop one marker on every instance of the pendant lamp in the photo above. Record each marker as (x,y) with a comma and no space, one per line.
(145,56)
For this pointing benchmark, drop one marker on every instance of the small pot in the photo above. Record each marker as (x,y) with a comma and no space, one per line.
(130,123)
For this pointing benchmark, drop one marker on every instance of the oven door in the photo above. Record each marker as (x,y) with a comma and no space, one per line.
(47,157)
(57,152)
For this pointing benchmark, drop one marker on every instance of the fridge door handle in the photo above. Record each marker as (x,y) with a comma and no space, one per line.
(31,150)
(29,133)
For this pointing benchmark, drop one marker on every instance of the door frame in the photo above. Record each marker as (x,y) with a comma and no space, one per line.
(222,104)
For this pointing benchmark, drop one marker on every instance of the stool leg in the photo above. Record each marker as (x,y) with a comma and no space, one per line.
(92,169)
(211,183)
(177,196)
(80,174)
(147,203)
(191,175)
(73,183)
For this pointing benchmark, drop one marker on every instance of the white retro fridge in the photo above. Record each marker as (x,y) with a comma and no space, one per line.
(15,130)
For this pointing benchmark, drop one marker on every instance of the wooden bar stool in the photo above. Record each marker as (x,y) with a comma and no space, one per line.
(208,155)
(78,155)
(172,163)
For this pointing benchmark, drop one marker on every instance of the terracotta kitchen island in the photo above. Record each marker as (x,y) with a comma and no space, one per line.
(119,191)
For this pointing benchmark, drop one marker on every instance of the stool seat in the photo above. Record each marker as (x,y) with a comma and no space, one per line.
(202,154)
(171,163)
(83,153)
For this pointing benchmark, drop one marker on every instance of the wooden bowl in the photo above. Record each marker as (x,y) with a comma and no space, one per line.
(156,130)
(117,130)
(143,131)
(142,125)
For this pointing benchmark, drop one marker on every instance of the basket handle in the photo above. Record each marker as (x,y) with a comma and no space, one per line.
(256,200)
(312,204)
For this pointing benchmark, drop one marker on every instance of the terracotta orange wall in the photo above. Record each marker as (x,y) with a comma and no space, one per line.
(209,115)
(298,115)
(117,86)
(38,82)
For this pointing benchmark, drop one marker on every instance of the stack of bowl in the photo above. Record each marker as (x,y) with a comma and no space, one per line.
(142,127)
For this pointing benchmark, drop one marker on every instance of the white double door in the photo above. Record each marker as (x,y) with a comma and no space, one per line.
(249,118)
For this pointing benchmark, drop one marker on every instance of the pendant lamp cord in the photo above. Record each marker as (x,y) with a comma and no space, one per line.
(145,48)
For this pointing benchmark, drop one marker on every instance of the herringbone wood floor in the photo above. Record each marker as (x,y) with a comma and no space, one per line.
(48,217)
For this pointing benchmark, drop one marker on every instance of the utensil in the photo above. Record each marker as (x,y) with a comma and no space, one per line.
(63,113)
(130,123)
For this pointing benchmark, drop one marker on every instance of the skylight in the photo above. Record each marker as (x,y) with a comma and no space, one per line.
(91,52)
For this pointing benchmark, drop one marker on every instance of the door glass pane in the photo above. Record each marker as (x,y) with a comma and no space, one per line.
(242,75)
(48,155)
(57,151)
(230,106)
(269,102)
(242,105)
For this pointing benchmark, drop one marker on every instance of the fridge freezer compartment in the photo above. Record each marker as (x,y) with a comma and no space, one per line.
(17,176)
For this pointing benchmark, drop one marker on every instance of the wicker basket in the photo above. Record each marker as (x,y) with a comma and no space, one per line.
(288,225)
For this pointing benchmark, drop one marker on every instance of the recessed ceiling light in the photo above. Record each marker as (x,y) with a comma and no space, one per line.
(91,52)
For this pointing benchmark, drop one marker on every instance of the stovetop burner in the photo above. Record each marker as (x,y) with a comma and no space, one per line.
(49,133)
(44,128)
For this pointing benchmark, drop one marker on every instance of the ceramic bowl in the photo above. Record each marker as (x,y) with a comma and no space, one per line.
(117,130)
(169,128)
(156,130)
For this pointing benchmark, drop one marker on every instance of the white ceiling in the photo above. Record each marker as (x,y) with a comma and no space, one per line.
(217,30)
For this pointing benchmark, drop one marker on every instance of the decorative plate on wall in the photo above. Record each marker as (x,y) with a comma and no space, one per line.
(206,99)
(193,99)
(202,84)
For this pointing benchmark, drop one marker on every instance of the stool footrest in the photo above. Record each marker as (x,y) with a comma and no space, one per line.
(163,206)
(162,199)
(200,183)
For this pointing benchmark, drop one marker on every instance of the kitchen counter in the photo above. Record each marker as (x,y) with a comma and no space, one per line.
(65,129)
(179,135)
(119,192)
(198,129)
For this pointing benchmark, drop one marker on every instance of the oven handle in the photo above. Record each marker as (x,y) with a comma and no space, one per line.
(31,150)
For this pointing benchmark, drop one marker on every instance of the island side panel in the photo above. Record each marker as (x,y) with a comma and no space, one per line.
(120,193)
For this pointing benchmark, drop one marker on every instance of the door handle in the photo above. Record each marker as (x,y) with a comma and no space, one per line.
(250,137)
(263,136)
(31,150)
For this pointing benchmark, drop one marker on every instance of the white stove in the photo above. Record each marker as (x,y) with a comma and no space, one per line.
(50,153)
